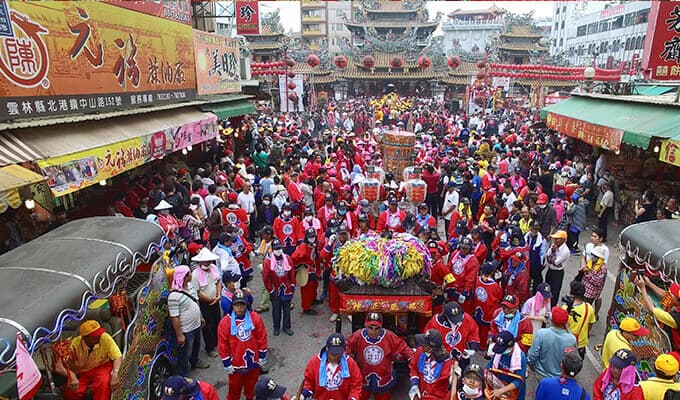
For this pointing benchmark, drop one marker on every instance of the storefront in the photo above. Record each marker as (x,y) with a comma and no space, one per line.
(636,133)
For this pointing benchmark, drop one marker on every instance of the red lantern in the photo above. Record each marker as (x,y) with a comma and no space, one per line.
(368,61)
(454,62)
(290,62)
(313,60)
(424,62)
(481,75)
(292,85)
(293,97)
(340,61)
(396,62)
(481,64)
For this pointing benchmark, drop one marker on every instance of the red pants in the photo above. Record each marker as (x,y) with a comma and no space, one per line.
(333,298)
(308,294)
(97,379)
(243,382)
(365,394)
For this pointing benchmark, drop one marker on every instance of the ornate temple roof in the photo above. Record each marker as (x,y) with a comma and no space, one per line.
(491,10)
(405,7)
(391,24)
(522,46)
(382,69)
(521,31)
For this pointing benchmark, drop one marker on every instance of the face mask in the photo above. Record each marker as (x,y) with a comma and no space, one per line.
(143,208)
(508,316)
(286,213)
(470,392)
(165,212)
(308,218)
(508,351)
(542,205)
(205,267)
(278,252)
(266,202)
(312,240)
(342,212)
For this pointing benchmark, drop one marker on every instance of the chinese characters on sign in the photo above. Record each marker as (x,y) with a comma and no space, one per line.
(596,135)
(247,18)
(670,152)
(218,68)
(661,55)
(89,57)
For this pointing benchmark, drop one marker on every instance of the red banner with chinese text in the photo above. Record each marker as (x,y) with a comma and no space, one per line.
(661,56)
(595,135)
(350,303)
(65,57)
(173,10)
(247,18)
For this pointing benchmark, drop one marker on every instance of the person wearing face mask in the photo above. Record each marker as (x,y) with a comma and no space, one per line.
(508,318)
(391,219)
(334,242)
(229,288)
(459,332)
(473,383)
(242,346)
(207,282)
(278,276)
(375,349)
(308,253)
(167,221)
(620,379)
(545,215)
(310,221)
(348,218)
(430,368)
(267,212)
(364,226)
(464,266)
(509,366)
(241,249)
(142,210)
(488,294)
(288,229)
(364,208)
(326,212)
(332,374)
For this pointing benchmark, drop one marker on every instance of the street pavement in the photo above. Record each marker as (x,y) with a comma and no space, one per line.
(288,355)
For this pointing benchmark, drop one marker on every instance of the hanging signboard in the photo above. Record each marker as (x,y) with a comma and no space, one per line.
(661,56)
(247,17)
(218,68)
(670,152)
(173,10)
(69,57)
(595,135)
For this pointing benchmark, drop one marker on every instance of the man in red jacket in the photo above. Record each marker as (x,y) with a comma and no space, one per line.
(278,277)
(459,332)
(488,294)
(179,388)
(392,218)
(309,254)
(288,229)
(464,266)
(375,349)
(508,318)
(242,346)
(430,368)
(332,374)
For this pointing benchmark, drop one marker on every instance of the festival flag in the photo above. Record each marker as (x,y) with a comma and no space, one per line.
(29,378)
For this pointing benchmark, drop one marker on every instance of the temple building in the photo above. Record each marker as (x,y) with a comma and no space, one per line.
(472,30)
(520,45)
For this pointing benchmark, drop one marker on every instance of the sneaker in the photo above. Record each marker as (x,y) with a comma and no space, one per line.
(213,353)
(277,332)
(201,365)
(288,332)
(261,309)
(310,312)
(264,370)
(292,305)
(333,317)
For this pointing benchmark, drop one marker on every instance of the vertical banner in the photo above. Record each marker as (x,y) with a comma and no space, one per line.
(247,18)
(29,378)
(661,55)
(218,67)
(284,91)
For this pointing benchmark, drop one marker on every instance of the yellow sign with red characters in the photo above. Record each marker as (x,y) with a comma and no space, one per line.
(670,152)
(64,57)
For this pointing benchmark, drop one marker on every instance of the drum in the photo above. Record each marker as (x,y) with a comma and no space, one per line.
(301,275)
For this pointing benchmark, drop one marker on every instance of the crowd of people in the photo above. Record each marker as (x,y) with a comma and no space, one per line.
(505,208)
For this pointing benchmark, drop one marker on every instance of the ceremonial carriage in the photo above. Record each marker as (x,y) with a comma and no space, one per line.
(651,249)
(102,268)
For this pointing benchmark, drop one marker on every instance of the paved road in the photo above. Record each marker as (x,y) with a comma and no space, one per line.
(289,355)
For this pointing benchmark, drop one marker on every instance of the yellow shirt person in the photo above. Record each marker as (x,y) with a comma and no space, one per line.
(666,368)
(629,330)
(580,326)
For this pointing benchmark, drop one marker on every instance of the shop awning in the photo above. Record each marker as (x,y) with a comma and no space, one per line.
(230,109)
(13,177)
(653,90)
(596,120)
(15,151)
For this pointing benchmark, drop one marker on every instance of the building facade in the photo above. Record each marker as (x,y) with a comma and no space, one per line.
(322,24)
(471,30)
(616,33)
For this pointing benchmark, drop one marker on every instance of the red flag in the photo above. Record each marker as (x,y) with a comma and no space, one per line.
(29,378)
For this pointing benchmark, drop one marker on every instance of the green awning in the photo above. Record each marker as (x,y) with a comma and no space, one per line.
(230,109)
(638,121)
(653,90)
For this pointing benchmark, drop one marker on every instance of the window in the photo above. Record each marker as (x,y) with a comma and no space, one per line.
(603,27)
(644,37)
(557,11)
(629,19)
(562,26)
(640,44)
(564,9)
(556,25)
(627,44)
(617,22)
(603,47)
(592,28)
(642,16)
(581,30)
(561,42)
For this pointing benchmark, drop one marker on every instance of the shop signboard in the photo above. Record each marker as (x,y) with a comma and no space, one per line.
(247,18)
(165,142)
(70,57)
(595,135)
(661,56)
(218,69)
(72,172)
(173,10)
(670,152)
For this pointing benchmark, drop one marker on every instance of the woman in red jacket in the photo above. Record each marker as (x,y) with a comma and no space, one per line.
(620,379)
